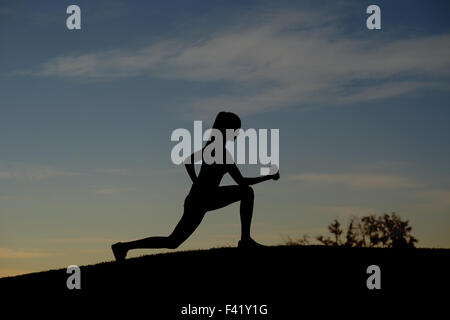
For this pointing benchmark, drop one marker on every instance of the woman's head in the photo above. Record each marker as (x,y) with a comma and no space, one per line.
(226,120)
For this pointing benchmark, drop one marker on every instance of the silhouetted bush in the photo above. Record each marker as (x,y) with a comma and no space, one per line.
(299,242)
(387,231)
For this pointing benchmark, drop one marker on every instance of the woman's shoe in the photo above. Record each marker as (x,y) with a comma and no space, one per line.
(250,243)
(119,252)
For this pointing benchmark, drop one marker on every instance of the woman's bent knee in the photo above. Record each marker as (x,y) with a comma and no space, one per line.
(173,243)
(247,192)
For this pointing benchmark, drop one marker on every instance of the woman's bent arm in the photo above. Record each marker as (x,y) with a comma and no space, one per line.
(240,180)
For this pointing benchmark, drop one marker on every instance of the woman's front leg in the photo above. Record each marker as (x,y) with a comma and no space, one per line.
(226,195)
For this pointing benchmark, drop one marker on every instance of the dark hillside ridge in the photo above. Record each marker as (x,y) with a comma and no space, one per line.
(288,279)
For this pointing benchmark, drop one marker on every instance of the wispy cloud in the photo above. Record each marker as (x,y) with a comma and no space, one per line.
(33,172)
(357,180)
(9,272)
(7,253)
(441,197)
(345,211)
(384,165)
(23,171)
(134,171)
(280,60)
(109,191)
(78,240)
(115,171)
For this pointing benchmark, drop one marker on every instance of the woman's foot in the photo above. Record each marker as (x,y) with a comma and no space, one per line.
(119,251)
(249,243)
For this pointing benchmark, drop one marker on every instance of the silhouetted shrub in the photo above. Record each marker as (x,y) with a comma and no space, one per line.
(387,231)
(299,242)
(351,237)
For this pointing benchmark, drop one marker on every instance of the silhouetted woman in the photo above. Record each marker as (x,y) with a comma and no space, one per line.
(206,195)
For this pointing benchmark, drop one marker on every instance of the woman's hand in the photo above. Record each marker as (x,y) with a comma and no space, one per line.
(276,176)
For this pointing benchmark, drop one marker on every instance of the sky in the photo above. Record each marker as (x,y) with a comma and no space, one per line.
(86,117)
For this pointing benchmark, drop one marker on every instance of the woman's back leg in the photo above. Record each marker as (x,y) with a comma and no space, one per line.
(185,227)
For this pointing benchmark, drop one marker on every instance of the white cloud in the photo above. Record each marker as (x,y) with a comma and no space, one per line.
(109,64)
(357,180)
(286,59)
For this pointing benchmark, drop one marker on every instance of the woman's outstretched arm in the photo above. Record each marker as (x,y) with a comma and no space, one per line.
(240,180)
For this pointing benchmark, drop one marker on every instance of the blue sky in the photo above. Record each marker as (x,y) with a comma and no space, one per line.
(86,118)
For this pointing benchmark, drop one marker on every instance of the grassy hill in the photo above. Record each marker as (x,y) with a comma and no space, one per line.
(287,279)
